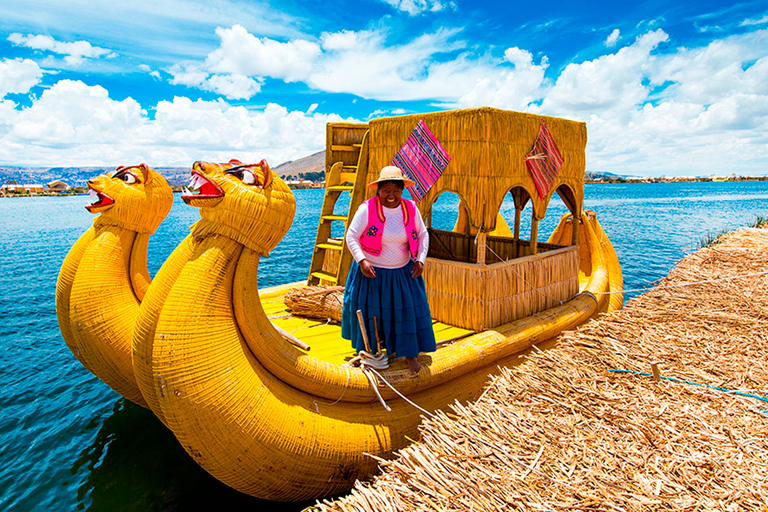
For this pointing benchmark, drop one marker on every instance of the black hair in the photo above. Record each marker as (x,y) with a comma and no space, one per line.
(400,183)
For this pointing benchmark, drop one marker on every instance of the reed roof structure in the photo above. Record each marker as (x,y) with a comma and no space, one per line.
(586,426)
(488,148)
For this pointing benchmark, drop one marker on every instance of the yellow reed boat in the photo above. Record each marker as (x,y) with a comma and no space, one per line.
(213,356)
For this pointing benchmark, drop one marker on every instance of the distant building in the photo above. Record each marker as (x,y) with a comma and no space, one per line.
(57,186)
(34,189)
(11,188)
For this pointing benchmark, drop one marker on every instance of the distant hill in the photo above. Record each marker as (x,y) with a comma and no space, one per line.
(597,176)
(78,176)
(311,167)
(314,163)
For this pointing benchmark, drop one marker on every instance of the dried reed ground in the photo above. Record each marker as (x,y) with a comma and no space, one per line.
(563,432)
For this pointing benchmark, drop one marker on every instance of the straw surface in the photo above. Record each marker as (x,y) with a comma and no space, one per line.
(104,277)
(564,431)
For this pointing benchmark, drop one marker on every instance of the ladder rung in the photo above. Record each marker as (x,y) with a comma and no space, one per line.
(337,188)
(333,247)
(346,147)
(349,168)
(334,217)
(324,276)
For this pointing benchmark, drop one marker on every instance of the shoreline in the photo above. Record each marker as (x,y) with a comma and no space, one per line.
(587,425)
(80,191)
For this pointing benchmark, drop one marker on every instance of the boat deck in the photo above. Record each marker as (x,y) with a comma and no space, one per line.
(323,337)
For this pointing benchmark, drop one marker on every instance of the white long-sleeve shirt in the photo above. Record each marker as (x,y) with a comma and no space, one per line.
(394,242)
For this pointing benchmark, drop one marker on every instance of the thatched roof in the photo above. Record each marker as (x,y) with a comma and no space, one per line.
(565,431)
(487,147)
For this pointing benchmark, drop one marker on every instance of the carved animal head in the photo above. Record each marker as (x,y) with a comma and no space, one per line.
(246,202)
(135,198)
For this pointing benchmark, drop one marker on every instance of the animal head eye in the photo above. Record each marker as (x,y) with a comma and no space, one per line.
(126,175)
(244,174)
(248,177)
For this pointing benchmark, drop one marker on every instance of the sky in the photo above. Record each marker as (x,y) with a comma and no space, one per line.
(666,88)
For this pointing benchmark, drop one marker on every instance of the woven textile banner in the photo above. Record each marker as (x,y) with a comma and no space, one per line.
(544,160)
(423,159)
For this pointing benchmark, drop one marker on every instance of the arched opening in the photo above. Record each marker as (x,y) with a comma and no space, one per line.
(445,212)
(571,205)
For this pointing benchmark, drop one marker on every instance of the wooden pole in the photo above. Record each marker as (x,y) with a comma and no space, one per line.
(361,323)
(534,234)
(290,337)
(518,214)
(481,243)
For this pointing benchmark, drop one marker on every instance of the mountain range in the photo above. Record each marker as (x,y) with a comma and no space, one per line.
(176,176)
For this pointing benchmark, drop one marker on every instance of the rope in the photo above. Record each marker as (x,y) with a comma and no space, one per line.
(684,284)
(681,381)
(397,393)
(369,364)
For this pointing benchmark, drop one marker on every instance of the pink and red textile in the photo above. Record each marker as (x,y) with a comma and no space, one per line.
(544,160)
(423,159)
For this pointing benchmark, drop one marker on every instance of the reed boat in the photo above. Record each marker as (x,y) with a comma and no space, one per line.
(221,362)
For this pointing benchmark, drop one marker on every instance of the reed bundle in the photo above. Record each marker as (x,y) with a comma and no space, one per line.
(323,302)
(565,430)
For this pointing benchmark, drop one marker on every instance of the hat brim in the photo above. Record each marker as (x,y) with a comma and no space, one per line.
(406,182)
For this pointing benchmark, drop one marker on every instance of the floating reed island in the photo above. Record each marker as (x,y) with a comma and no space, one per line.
(659,406)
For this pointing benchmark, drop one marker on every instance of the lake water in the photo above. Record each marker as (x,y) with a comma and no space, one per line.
(67,442)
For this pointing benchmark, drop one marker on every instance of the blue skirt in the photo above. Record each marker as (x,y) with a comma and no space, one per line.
(399,303)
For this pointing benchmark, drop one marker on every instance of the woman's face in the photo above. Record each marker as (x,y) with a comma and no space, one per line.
(390,194)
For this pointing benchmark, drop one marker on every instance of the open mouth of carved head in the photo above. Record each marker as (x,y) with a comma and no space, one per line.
(200,189)
(204,190)
(99,201)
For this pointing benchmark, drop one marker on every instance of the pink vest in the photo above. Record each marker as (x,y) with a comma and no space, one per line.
(370,241)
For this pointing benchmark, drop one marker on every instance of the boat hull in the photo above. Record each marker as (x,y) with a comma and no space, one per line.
(272,421)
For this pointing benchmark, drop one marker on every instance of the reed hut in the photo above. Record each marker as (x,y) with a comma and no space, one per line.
(474,279)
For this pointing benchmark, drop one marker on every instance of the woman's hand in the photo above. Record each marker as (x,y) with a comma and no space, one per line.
(367,269)
(418,268)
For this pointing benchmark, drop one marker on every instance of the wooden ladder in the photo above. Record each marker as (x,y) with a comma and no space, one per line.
(346,164)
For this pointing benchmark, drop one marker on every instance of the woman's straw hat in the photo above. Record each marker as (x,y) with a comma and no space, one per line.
(391,172)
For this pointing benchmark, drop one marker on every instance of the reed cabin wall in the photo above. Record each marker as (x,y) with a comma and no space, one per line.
(509,284)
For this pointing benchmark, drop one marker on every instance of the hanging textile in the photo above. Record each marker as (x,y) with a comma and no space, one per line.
(423,159)
(544,160)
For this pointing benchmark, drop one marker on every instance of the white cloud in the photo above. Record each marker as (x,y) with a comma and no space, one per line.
(651,108)
(18,76)
(414,7)
(613,38)
(79,125)
(688,111)
(513,89)
(75,53)
(358,63)
(755,21)
(236,69)
(153,73)
(243,54)
(612,82)
(232,86)
(361,63)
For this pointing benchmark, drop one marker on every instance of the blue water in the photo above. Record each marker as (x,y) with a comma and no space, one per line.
(67,442)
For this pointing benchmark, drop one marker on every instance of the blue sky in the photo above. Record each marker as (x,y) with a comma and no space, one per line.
(665,88)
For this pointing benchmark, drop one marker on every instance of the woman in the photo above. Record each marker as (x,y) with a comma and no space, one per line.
(389,242)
